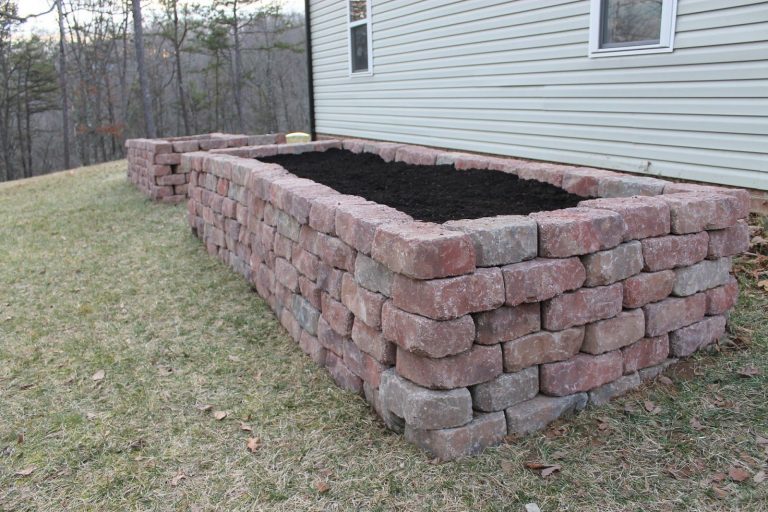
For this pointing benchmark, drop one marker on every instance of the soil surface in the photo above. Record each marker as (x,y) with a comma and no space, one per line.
(433,193)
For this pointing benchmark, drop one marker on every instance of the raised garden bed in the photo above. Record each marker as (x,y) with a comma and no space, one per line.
(463,332)
(153,164)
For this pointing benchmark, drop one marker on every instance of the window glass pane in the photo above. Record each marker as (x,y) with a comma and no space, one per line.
(628,22)
(360,47)
(357,10)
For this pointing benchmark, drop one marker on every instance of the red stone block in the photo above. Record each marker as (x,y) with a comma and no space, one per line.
(264,280)
(286,274)
(305,262)
(546,173)
(342,375)
(329,338)
(424,336)
(229,208)
(451,443)
(541,279)
(423,250)
(507,323)
(283,246)
(161,170)
(222,187)
(372,341)
(692,212)
(584,181)
(479,364)
(356,223)
(329,280)
(722,298)
(580,373)
(647,287)
(312,347)
(577,231)
(173,179)
(644,217)
(322,213)
(729,241)
(443,299)
(673,313)
(667,252)
(168,159)
(645,352)
(310,291)
(334,252)
(416,155)
(606,335)
(338,316)
(541,347)
(581,307)
(290,324)
(606,267)
(365,304)
(742,196)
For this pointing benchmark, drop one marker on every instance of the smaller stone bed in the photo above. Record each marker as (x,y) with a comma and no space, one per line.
(153,164)
(461,333)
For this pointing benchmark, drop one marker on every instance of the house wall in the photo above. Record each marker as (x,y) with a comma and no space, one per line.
(514,78)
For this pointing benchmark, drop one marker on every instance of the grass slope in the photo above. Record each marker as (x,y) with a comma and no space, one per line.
(94,277)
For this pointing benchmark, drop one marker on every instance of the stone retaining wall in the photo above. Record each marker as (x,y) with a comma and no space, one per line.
(153,164)
(462,333)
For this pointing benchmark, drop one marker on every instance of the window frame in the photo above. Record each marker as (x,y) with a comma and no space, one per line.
(352,24)
(666,42)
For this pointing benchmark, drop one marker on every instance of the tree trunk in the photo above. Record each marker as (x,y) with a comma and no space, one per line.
(238,81)
(146,100)
(177,41)
(63,87)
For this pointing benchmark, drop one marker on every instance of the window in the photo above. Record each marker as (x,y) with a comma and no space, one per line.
(622,27)
(360,56)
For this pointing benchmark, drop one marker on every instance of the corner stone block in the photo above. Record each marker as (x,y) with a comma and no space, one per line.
(448,444)
(684,342)
(668,252)
(425,409)
(582,372)
(577,231)
(645,352)
(673,313)
(506,390)
(539,412)
(606,267)
(644,217)
(582,306)
(696,211)
(500,240)
(478,364)
(423,250)
(722,298)
(647,287)
(606,335)
(372,275)
(621,386)
(364,304)
(444,299)
(741,195)
(424,336)
(701,276)
(541,347)
(729,241)
(356,223)
(541,279)
(507,323)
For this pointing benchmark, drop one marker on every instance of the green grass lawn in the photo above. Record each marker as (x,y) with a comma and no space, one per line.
(94,277)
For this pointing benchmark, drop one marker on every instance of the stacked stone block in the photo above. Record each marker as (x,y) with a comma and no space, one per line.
(153,164)
(462,333)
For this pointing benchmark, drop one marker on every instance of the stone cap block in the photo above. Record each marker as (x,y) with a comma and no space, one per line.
(500,240)
(644,217)
(422,250)
(627,186)
(584,181)
(479,364)
(356,224)
(696,211)
(742,196)
(577,231)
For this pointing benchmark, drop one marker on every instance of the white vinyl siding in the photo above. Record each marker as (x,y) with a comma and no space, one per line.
(515,78)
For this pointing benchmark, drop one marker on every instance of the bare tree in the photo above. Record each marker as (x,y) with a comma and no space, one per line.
(63,87)
(146,100)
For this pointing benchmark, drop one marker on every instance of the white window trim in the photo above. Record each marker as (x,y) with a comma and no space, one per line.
(666,36)
(350,26)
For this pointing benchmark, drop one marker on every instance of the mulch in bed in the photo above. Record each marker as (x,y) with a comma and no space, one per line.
(433,193)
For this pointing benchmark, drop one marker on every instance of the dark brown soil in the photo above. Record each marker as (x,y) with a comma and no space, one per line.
(434,193)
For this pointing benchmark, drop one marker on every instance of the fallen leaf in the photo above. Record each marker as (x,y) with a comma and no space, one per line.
(90,416)
(507,466)
(548,471)
(137,444)
(665,380)
(234,359)
(26,471)
(749,371)
(718,477)
(203,407)
(253,444)
(737,474)
(98,376)
(20,438)
(26,386)
(543,469)
(322,486)
(177,479)
(532,507)
(759,477)
(559,455)
(763,284)
(245,428)
(720,493)
(651,407)
(629,408)
(696,425)
(220,415)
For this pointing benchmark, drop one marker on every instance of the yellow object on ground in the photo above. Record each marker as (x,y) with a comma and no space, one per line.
(297,137)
